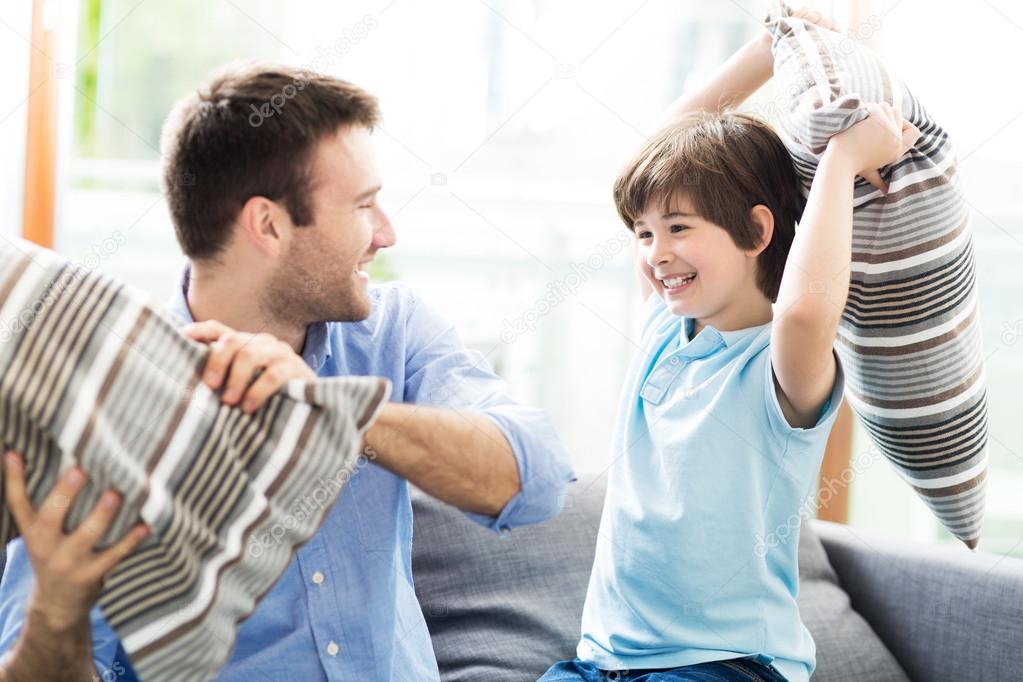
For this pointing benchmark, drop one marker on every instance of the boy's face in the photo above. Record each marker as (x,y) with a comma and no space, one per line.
(692,263)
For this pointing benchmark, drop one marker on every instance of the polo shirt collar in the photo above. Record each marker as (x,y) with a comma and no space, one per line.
(315,351)
(710,336)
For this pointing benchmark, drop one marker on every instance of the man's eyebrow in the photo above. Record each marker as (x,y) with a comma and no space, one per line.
(368,193)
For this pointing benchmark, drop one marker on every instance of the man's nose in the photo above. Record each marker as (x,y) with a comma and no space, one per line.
(384,235)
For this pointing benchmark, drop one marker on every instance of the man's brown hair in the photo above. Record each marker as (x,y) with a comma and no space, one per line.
(725,164)
(250,132)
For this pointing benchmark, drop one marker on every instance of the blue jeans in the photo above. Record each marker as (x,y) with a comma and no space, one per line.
(734,670)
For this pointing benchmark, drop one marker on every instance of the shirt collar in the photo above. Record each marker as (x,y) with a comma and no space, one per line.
(315,352)
(712,336)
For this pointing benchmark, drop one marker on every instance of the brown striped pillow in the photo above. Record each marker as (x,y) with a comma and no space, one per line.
(90,374)
(910,334)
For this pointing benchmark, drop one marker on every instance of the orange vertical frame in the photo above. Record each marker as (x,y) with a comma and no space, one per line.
(833,476)
(41,133)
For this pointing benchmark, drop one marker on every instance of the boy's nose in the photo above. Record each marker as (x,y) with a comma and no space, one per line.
(658,255)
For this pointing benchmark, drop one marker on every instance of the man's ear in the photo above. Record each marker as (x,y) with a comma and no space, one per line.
(259,222)
(763,219)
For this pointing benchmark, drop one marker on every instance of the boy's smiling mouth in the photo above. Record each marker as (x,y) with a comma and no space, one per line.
(677,283)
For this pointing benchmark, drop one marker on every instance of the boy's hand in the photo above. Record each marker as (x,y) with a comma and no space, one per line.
(814,17)
(68,569)
(876,141)
(238,357)
(808,15)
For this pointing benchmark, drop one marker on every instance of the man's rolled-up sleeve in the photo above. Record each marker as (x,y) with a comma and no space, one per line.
(441,372)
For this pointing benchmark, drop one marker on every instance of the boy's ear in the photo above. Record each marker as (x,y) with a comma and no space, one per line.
(763,219)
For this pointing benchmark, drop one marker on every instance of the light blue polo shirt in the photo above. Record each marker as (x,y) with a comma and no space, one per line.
(696,553)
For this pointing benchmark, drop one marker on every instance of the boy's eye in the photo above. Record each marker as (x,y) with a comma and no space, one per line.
(679,228)
(643,235)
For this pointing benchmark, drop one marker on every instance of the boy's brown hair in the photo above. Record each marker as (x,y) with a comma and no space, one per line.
(251,132)
(725,164)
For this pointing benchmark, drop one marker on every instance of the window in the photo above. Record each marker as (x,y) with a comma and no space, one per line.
(504,125)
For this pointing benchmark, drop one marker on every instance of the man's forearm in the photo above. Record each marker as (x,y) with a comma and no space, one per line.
(50,651)
(731,83)
(459,457)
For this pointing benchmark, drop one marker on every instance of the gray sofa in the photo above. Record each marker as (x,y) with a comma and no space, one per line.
(506,607)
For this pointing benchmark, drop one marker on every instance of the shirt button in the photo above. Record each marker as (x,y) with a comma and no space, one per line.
(317,577)
(505,530)
(333,648)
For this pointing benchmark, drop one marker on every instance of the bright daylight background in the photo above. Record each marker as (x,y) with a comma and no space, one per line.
(505,122)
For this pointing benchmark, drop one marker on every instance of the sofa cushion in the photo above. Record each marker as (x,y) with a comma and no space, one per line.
(507,607)
(909,339)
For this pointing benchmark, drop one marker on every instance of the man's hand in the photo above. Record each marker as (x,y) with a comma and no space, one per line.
(68,570)
(239,357)
(56,640)
(878,140)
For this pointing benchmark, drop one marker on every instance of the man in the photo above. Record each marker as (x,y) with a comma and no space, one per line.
(278,216)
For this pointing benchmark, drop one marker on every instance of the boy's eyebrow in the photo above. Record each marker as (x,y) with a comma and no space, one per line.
(666,216)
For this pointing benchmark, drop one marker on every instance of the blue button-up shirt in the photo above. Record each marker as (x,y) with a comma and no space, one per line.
(345,608)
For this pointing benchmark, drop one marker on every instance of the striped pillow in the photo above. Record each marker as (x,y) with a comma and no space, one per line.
(910,334)
(90,374)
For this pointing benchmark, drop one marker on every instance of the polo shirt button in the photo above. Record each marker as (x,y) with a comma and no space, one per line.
(318,578)
(505,530)
(674,360)
(333,648)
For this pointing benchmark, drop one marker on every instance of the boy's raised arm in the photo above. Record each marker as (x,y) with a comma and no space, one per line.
(743,74)
(815,284)
(731,83)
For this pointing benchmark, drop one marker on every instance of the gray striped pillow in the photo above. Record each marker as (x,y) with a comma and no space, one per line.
(910,336)
(90,374)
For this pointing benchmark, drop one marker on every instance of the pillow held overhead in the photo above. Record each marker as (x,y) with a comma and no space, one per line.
(910,337)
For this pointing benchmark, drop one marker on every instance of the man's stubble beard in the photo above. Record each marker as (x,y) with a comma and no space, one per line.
(306,288)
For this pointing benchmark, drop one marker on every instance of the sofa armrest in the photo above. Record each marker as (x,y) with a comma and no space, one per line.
(946,613)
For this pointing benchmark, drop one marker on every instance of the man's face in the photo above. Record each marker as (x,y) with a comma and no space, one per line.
(321,274)
(690,262)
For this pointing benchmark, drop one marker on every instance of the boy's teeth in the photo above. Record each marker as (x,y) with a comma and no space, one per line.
(676,282)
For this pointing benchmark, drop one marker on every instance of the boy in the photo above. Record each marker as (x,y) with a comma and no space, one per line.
(727,408)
